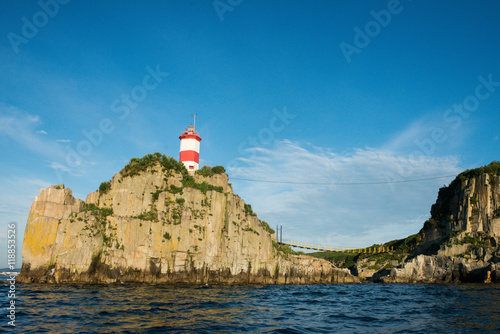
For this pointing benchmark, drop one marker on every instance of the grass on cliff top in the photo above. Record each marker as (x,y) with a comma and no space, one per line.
(285,249)
(210,171)
(139,165)
(441,210)
(266,226)
(405,245)
(493,169)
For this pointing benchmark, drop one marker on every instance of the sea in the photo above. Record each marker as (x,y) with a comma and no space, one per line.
(343,308)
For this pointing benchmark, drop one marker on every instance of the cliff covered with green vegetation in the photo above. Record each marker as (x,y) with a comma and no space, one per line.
(458,243)
(156,222)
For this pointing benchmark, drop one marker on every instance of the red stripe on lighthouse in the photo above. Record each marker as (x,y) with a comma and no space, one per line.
(188,136)
(189,156)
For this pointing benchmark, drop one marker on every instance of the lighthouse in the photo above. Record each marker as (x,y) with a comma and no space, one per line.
(190,147)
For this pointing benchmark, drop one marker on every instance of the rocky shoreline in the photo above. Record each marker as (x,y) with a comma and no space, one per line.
(156,223)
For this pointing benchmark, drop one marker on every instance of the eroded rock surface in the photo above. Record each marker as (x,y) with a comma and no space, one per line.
(150,227)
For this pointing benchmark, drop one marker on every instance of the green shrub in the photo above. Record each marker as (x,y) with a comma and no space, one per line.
(138,165)
(248,210)
(284,249)
(180,201)
(103,212)
(210,171)
(106,212)
(218,170)
(249,229)
(403,245)
(266,226)
(150,216)
(205,171)
(175,190)
(104,187)
(167,236)
(156,194)
(204,187)
(187,180)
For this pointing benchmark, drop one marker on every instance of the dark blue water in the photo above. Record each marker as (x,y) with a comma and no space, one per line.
(355,308)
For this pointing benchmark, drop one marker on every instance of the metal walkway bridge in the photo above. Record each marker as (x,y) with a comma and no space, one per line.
(324,248)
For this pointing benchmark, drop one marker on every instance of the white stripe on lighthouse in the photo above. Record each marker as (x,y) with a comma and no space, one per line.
(190,144)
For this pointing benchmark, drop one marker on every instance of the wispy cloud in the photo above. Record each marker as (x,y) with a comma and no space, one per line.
(320,202)
(58,166)
(23,128)
(26,189)
(429,134)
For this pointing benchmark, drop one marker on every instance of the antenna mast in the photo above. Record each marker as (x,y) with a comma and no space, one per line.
(194,124)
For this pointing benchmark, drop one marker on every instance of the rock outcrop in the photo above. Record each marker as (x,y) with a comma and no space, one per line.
(460,242)
(154,222)
(443,269)
(470,204)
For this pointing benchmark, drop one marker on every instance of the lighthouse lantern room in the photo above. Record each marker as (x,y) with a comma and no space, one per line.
(190,148)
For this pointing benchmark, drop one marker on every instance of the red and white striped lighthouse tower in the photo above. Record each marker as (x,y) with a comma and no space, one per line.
(190,147)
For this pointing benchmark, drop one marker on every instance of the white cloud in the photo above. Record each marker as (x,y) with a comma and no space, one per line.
(430,135)
(22,127)
(331,199)
(58,166)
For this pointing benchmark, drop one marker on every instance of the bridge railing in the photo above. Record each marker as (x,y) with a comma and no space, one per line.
(306,245)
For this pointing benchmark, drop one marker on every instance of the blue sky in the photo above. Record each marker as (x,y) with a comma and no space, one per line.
(315,93)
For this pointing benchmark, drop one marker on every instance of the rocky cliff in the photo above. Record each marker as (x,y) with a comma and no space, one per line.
(460,242)
(155,222)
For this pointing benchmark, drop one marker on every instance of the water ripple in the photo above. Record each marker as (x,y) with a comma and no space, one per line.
(360,308)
